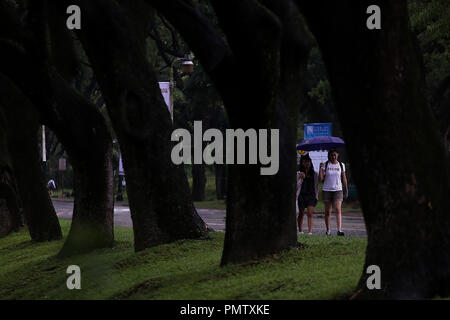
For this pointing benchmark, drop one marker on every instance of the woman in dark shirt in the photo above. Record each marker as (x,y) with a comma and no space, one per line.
(307,195)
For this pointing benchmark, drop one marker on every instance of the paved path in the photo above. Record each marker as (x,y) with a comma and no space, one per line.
(352,222)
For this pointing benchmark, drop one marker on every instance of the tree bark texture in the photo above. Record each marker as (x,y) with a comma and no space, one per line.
(441,109)
(221,178)
(91,159)
(198,182)
(10,211)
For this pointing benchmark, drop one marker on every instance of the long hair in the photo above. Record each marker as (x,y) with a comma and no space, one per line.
(330,152)
(310,172)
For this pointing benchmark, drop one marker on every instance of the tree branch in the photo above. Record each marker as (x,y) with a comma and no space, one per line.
(248,25)
(162,47)
(173,33)
(196,29)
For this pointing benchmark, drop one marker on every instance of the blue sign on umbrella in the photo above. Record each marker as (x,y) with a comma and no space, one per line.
(317,129)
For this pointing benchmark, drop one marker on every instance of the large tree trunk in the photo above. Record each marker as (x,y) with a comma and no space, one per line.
(21,127)
(269,51)
(77,123)
(93,213)
(220,121)
(221,185)
(399,164)
(6,216)
(198,170)
(198,182)
(441,109)
(261,209)
(158,191)
(10,212)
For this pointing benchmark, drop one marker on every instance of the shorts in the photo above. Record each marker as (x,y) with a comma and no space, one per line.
(332,196)
(306,200)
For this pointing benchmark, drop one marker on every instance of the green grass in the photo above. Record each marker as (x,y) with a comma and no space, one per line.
(328,268)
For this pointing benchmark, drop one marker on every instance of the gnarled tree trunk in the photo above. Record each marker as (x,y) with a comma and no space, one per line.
(90,151)
(21,127)
(10,211)
(198,182)
(158,191)
(220,172)
(77,123)
(255,76)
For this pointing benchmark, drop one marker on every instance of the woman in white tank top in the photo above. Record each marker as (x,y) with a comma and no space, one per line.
(333,176)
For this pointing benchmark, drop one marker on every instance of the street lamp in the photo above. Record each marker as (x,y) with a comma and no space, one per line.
(186,67)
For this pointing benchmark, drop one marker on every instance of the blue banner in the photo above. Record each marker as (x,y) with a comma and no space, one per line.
(317,129)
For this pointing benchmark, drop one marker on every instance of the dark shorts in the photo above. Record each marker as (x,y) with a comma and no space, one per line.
(306,200)
(332,196)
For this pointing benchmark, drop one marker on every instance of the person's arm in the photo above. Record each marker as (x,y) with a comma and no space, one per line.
(299,184)
(300,176)
(344,182)
(316,185)
(321,172)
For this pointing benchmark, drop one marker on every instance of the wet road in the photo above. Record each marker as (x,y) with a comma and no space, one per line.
(353,223)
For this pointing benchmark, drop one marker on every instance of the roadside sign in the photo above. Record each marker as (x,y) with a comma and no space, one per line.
(165,91)
(317,129)
(314,130)
(121,170)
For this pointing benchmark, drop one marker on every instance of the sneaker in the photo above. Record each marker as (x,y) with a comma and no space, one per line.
(340,233)
(309,233)
(301,232)
(328,232)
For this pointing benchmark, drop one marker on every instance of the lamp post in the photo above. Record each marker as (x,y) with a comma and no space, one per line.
(44,153)
(186,67)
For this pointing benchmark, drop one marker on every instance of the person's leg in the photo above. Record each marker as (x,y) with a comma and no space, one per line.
(327,215)
(338,207)
(337,203)
(301,212)
(327,202)
(310,211)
